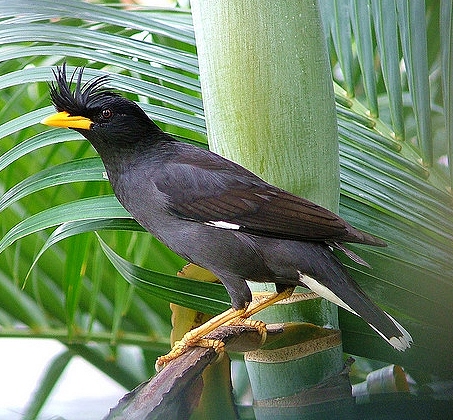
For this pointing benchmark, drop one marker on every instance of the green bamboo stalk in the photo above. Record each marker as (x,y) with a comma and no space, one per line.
(267,92)
(269,105)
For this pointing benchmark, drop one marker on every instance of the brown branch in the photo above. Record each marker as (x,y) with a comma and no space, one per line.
(175,391)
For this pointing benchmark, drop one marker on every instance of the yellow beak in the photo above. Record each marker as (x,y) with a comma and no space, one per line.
(63,119)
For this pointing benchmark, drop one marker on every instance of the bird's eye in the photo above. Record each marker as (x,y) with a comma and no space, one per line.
(106,113)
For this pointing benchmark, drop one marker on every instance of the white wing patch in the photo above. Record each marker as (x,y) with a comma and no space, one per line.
(223,225)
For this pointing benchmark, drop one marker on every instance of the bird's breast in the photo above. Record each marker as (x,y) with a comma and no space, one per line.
(139,195)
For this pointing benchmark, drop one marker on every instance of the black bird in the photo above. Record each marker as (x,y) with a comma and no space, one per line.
(215,213)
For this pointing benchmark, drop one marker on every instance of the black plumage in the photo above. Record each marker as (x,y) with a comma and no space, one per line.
(213,212)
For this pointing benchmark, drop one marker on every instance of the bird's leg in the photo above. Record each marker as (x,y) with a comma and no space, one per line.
(195,337)
(263,302)
(230,317)
(256,306)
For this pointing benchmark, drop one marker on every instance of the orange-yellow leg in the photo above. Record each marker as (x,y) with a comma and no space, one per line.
(262,302)
(257,305)
(195,336)
(230,317)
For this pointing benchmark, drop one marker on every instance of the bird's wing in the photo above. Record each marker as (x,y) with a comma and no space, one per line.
(263,211)
(215,191)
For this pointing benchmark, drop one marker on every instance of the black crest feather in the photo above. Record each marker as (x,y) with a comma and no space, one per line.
(82,97)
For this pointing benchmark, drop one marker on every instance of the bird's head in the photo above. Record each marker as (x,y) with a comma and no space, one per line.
(105,118)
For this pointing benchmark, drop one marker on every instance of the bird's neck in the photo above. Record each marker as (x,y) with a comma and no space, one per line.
(119,161)
(118,154)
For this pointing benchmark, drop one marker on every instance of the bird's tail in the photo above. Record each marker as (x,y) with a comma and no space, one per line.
(400,341)
(332,281)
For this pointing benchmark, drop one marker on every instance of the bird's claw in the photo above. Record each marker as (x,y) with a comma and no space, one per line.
(177,350)
(260,326)
(230,317)
(181,346)
(195,337)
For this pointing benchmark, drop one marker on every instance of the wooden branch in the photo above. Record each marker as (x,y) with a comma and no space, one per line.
(176,389)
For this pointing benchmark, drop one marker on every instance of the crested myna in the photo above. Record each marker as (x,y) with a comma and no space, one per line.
(215,213)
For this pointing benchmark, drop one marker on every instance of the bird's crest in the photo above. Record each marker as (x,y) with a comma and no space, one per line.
(82,97)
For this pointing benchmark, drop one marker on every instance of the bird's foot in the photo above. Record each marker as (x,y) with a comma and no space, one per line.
(180,347)
(258,304)
(195,337)
(260,326)
(232,316)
